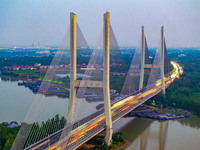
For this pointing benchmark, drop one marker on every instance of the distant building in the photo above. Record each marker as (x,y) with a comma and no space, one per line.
(10,125)
(43,67)
(51,67)
(13,124)
(181,55)
(43,52)
(88,69)
(16,67)
(37,65)
(28,68)
(7,67)
(5,124)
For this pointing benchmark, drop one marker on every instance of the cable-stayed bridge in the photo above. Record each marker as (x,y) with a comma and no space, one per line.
(75,133)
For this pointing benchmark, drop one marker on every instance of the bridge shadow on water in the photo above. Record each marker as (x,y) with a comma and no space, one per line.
(140,134)
(133,129)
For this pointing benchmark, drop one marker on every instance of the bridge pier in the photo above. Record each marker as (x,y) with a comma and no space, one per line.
(73,62)
(106,78)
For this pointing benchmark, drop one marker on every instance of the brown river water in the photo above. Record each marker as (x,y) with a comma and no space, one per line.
(147,134)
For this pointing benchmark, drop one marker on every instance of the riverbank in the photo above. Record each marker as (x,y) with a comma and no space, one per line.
(124,145)
(147,112)
(98,142)
(46,88)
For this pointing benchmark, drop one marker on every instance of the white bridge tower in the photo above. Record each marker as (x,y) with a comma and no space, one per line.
(143,65)
(74,83)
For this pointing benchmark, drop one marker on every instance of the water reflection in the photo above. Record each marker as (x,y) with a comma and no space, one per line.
(143,140)
(146,134)
(135,128)
(192,121)
(162,135)
(8,79)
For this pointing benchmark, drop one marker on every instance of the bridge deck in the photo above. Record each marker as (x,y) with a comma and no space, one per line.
(71,137)
(66,141)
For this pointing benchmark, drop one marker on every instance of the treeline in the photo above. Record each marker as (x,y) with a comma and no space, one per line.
(34,132)
(28,60)
(117,82)
(185,92)
(9,73)
(7,136)
(40,131)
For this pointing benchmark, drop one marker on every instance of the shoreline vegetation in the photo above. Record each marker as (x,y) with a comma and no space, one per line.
(156,114)
(117,143)
(7,136)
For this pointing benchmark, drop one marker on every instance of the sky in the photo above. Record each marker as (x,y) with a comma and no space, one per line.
(23,22)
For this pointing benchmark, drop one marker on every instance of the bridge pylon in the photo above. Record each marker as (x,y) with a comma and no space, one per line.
(106,78)
(74,83)
(162,59)
(73,62)
(144,65)
(142,59)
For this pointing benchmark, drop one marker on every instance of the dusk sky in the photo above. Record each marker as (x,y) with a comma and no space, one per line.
(23,22)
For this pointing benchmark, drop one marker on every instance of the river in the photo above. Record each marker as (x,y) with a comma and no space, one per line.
(17,104)
(147,134)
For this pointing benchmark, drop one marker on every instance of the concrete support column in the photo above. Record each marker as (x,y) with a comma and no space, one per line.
(142,59)
(106,78)
(162,59)
(73,61)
